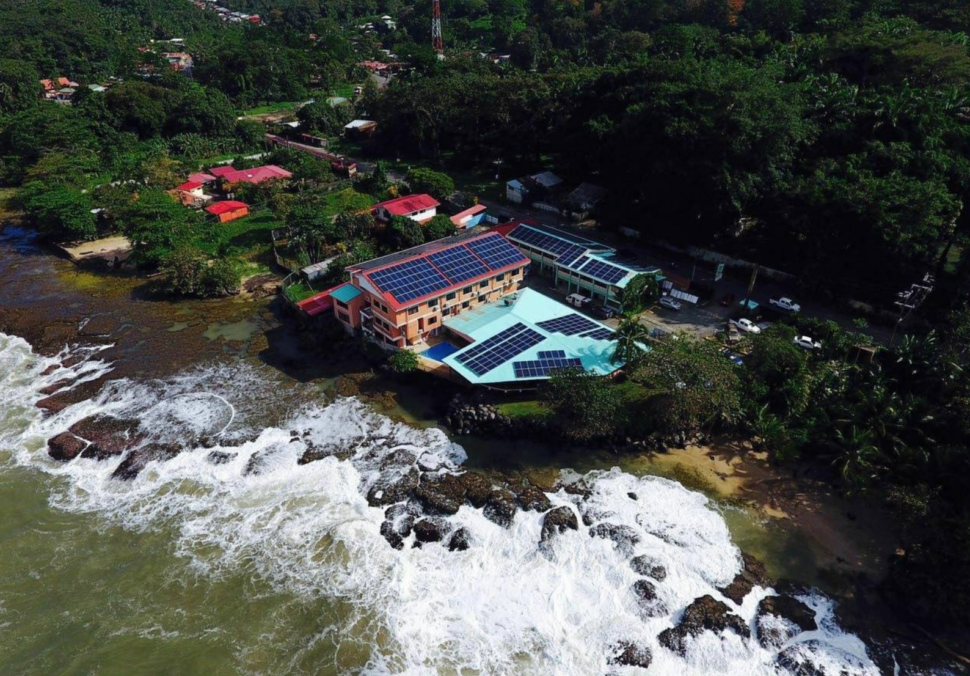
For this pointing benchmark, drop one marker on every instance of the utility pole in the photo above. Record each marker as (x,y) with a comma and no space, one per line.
(754,277)
(437,42)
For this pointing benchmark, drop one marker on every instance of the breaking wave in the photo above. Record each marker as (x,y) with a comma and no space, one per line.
(503,606)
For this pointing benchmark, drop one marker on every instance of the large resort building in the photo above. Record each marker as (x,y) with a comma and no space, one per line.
(459,303)
(402,299)
(578,264)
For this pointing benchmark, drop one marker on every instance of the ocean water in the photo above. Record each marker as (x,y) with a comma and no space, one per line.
(259,565)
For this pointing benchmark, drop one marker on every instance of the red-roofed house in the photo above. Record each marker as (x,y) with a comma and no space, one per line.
(192,194)
(402,299)
(189,186)
(269,172)
(418,208)
(229,210)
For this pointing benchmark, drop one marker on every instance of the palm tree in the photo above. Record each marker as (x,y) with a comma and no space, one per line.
(630,336)
(858,456)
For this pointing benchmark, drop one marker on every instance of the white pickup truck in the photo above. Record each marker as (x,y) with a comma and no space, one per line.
(786,304)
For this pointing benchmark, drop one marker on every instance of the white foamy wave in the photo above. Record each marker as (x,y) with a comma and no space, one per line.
(503,606)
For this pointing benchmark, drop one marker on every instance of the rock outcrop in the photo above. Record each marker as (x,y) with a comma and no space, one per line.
(556,521)
(460,541)
(431,529)
(624,537)
(644,565)
(441,493)
(782,617)
(752,574)
(631,654)
(65,446)
(500,507)
(109,436)
(704,614)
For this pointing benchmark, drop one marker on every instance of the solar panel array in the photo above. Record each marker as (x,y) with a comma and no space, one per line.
(540,240)
(458,264)
(551,354)
(418,277)
(598,334)
(570,255)
(603,271)
(541,368)
(410,280)
(492,352)
(569,325)
(495,251)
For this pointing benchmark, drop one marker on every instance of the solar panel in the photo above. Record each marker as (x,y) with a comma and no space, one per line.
(603,271)
(496,251)
(598,334)
(571,254)
(569,325)
(498,349)
(410,280)
(573,239)
(551,354)
(458,264)
(541,368)
(540,240)
(481,347)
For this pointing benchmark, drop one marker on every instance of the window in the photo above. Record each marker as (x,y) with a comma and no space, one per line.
(467,289)
(433,303)
(483,284)
(465,304)
(340,303)
(432,320)
(450,296)
(499,278)
(413,310)
(343,316)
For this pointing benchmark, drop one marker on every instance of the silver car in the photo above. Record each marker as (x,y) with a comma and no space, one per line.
(670,303)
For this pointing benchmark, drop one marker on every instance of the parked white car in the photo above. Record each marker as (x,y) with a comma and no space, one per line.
(786,304)
(807,343)
(670,303)
(578,300)
(746,325)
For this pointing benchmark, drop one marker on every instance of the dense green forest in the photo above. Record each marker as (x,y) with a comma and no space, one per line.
(827,138)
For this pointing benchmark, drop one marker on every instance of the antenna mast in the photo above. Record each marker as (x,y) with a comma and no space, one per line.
(437,43)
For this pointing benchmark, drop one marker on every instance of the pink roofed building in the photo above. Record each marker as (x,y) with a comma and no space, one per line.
(256,175)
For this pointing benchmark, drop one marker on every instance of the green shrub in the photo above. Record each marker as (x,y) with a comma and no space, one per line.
(403,361)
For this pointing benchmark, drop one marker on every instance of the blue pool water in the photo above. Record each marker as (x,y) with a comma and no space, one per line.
(439,351)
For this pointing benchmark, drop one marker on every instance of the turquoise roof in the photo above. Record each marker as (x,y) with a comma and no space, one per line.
(528,308)
(345,293)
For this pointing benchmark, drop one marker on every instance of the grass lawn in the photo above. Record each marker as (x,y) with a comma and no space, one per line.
(522,409)
(6,203)
(277,107)
(345,90)
(247,237)
(299,291)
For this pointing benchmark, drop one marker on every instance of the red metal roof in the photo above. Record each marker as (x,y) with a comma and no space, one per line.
(471,211)
(320,303)
(190,185)
(409,204)
(226,206)
(389,298)
(201,177)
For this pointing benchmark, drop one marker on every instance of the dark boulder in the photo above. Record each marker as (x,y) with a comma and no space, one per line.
(53,404)
(108,436)
(65,446)
(646,594)
(220,457)
(644,565)
(314,452)
(630,654)
(391,535)
(704,614)
(393,488)
(398,458)
(500,507)
(431,529)
(795,661)
(624,537)
(782,617)
(138,459)
(556,521)
(477,488)
(441,493)
(533,499)
(753,573)
(460,541)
